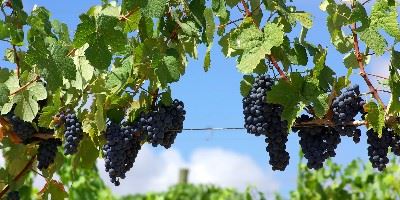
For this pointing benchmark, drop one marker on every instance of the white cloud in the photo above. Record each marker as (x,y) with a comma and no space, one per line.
(157,171)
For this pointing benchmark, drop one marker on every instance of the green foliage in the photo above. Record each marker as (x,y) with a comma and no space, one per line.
(357,180)
(124,57)
(190,191)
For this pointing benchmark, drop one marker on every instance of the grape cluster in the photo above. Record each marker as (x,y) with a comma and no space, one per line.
(345,107)
(256,110)
(174,118)
(120,151)
(262,118)
(162,124)
(13,195)
(47,152)
(276,147)
(395,144)
(318,143)
(22,129)
(378,148)
(73,132)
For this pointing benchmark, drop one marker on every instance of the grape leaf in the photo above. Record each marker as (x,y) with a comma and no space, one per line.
(98,54)
(374,40)
(375,117)
(350,60)
(4,92)
(154,8)
(99,114)
(54,189)
(87,155)
(384,15)
(338,17)
(84,71)
(246,84)
(304,18)
(394,83)
(256,45)
(167,69)
(210,28)
(118,77)
(288,95)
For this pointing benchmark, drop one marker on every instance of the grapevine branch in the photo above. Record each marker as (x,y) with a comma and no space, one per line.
(363,74)
(280,71)
(19,175)
(25,86)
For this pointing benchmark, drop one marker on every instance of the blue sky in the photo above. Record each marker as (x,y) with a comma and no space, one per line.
(213,100)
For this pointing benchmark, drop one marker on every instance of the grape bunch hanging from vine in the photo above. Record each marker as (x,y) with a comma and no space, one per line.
(106,90)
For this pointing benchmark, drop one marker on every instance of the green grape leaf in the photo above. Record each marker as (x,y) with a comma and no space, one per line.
(87,154)
(54,189)
(288,94)
(26,100)
(384,15)
(85,30)
(4,75)
(322,73)
(394,61)
(374,40)
(51,110)
(84,71)
(207,59)
(100,116)
(4,92)
(219,8)
(256,12)
(210,28)
(256,45)
(375,117)
(132,22)
(339,16)
(232,3)
(119,76)
(246,85)
(350,60)
(98,54)
(304,18)
(394,83)
(154,8)
(168,69)
(61,30)
(4,30)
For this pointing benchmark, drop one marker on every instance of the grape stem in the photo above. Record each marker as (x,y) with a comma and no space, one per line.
(19,175)
(25,86)
(360,61)
(230,22)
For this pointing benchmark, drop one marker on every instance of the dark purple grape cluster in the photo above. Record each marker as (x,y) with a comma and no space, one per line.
(163,123)
(345,107)
(262,118)
(22,129)
(13,195)
(120,151)
(256,110)
(73,132)
(318,143)
(378,148)
(174,118)
(276,147)
(395,144)
(47,152)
